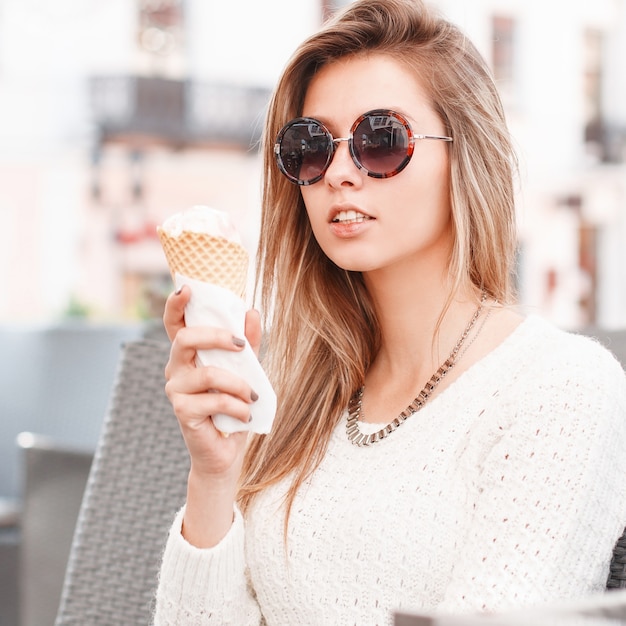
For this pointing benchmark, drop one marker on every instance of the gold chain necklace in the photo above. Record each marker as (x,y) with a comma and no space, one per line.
(355,406)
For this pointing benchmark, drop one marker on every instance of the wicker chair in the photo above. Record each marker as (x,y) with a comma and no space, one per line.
(617,574)
(137,481)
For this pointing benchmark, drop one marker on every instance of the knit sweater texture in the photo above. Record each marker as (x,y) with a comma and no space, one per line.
(505,491)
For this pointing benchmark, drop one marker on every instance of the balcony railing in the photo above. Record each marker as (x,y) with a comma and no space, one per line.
(144,110)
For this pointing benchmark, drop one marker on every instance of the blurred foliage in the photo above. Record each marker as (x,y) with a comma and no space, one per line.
(76,309)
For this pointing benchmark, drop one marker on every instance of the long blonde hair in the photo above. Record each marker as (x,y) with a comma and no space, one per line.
(324,333)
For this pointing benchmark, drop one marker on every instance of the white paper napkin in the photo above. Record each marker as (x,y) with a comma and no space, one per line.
(211,305)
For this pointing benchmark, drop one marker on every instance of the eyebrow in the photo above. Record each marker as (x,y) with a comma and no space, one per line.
(325,120)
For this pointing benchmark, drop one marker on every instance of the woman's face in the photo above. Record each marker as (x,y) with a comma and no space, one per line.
(367,224)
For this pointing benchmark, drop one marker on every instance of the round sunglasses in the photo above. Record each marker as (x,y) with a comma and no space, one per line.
(381,143)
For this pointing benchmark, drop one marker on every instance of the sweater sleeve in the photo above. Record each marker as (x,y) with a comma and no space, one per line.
(549,504)
(199,587)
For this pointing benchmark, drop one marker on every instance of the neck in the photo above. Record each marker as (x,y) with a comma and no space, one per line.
(410,317)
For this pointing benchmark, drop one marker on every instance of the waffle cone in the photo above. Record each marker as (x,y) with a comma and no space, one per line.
(210,259)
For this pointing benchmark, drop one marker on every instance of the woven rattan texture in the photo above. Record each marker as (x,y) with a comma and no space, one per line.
(137,483)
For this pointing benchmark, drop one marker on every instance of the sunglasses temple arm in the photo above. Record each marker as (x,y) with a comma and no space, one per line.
(440,137)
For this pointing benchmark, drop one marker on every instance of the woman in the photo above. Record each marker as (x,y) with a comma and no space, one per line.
(432,450)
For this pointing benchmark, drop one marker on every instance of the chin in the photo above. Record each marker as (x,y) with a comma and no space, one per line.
(351,260)
(352,265)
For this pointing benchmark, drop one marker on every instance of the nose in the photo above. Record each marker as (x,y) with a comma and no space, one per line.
(342,168)
(339,139)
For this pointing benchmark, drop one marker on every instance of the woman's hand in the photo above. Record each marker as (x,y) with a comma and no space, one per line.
(197,393)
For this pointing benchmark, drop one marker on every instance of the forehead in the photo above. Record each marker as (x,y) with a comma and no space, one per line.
(346,88)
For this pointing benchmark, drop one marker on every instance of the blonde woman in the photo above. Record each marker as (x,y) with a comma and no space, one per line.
(433,450)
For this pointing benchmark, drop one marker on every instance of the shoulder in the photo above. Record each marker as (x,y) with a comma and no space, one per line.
(557,386)
(573,346)
(568,360)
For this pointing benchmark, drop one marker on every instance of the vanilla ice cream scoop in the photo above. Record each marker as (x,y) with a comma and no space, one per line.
(201,219)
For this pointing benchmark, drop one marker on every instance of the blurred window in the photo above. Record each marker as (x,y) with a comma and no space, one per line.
(593,42)
(503,55)
(160,26)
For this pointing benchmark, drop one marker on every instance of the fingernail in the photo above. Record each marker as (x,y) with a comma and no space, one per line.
(254,396)
(178,291)
(240,343)
(249,418)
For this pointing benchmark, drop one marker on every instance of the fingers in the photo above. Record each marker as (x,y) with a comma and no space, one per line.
(174,314)
(188,340)
(193,410)
(213,380)
(198,391)
(195,391)
(174,318)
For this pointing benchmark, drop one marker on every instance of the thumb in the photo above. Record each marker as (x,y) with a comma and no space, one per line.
(253,330)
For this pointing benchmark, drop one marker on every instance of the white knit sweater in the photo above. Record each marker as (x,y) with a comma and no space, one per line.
(506,490)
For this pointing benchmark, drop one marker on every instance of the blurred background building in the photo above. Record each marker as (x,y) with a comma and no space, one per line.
(115,114)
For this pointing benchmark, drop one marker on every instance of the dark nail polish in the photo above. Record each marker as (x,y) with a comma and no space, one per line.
(249,418)
(178,291)
(240,343)
(254,396)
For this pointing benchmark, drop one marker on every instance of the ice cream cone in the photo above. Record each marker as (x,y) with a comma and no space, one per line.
(204,251)
(210,259)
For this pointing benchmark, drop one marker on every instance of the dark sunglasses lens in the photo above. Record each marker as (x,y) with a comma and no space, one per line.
(305,151)
(381,144)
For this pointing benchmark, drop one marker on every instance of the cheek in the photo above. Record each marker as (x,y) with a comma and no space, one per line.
(425,190)
(314,208)
(433,186)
